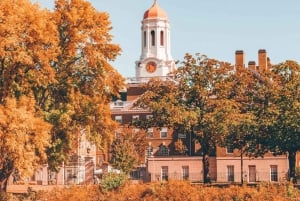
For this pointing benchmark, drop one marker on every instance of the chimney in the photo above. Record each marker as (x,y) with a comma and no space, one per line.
(262,60)
(252,65)
(269,63)
(239,59)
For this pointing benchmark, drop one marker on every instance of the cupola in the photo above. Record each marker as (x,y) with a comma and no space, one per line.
(155,12)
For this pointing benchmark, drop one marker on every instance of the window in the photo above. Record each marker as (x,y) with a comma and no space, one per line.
(274,173)
(229,149)
(149,151)
(164,133)
(164,173)
(135,118)
(230,173)
(149,116)
(119,103)
(145,38)
(118,119)
(185,172)
(153,38)
(162,38)
(163,150)
(150,132)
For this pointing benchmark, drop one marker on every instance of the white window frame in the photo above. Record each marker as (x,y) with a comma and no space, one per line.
(164,133)
(164,150)
(135,117)
(229,149)
(274,173)
(149,151)
(118,119)
(164,173)
(185,172)
(150,133)
(230,173)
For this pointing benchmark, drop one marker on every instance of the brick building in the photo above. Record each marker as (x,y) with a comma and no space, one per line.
(162,161)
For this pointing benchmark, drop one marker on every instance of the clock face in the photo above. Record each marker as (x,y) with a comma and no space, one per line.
(151,67)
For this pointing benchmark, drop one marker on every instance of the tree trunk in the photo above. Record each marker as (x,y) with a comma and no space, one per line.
(292,166)
(3,185)
(242,167)
(205,162)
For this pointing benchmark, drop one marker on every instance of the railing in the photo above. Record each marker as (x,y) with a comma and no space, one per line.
(221,177)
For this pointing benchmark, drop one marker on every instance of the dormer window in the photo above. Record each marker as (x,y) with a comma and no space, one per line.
(119,103)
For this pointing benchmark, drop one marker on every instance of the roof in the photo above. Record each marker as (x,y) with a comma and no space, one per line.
(155,12)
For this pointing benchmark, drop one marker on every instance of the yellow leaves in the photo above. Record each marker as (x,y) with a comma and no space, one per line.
(62,58)
(24,135)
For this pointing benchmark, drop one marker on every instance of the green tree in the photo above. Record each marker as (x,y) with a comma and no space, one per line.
(285,130)
(128,149)
(189,101)
(250,90)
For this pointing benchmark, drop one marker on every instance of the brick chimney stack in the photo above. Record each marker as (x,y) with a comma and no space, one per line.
(262,60)
(252,65)
(239,59)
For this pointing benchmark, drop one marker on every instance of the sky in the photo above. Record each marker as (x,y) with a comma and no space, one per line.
(216,28)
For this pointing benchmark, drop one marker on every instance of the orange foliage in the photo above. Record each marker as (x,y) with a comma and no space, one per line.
(175,191)
(24,137)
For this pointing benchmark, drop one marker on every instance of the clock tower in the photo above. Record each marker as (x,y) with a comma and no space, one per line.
(155,59)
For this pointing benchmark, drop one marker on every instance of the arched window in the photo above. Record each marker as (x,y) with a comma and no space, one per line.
(145,38)
(162,38)
(153,38)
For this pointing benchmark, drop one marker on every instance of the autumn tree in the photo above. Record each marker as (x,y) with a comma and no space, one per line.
(24,137)
(128,149)
(200,80)
(27,47)
(85,81)
(62,58)
(187,100)
(284,136)
(248,126)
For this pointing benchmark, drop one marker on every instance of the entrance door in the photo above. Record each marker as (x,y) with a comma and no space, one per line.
(252,173)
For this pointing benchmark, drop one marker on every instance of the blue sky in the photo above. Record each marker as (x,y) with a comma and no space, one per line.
(216,28)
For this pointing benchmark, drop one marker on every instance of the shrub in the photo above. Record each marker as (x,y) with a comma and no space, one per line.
(171,191)
(112,181)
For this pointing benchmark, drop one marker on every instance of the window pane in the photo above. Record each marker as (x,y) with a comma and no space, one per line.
(274,173)
(118,119)
(164,173)
(230,173)
(229,149)
(150,132)
(185,172)
(164,133)
(149,151)
(163,150)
